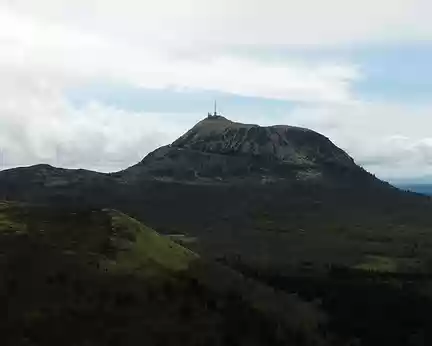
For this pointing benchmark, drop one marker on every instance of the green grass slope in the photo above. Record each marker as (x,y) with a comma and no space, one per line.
(141,249)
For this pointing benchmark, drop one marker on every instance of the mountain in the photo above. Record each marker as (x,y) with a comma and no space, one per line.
(261,193)
(219,150)
(51,185)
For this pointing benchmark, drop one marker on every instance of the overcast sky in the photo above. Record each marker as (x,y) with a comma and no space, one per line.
(98,84)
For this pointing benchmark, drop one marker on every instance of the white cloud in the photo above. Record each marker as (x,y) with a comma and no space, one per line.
(180,22)
(67,56)
(37,125)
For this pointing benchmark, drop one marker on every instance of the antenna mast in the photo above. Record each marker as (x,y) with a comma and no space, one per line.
(215,114)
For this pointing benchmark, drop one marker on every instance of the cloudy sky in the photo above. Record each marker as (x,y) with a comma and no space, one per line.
(99,83)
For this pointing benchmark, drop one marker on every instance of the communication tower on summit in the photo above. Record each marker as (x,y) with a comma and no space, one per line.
(215,114)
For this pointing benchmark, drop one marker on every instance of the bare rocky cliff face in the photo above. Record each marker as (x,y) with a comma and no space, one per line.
(217,149)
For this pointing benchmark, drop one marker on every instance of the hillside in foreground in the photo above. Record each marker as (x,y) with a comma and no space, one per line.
(98,277)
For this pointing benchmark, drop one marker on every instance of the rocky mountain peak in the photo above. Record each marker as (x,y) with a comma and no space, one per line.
(218,149)
(283,143)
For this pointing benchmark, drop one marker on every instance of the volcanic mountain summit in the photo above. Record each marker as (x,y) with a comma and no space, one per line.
(217,149)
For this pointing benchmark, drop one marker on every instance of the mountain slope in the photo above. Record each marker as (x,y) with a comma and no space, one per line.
(98,277)
(114,240)
(51,185)
(148,248)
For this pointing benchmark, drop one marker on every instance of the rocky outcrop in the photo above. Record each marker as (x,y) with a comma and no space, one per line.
(281,143)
